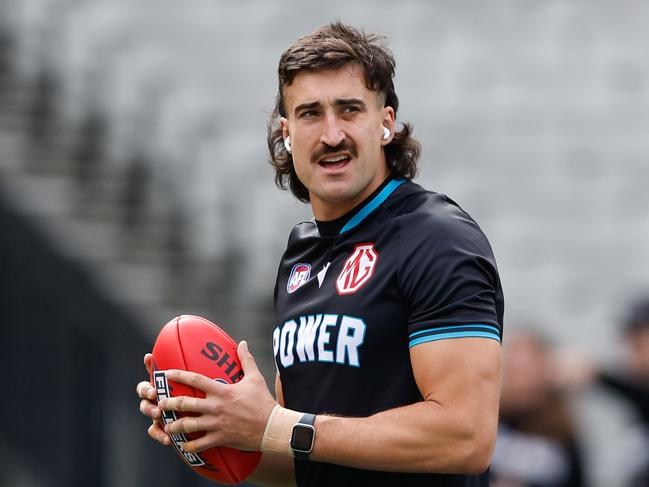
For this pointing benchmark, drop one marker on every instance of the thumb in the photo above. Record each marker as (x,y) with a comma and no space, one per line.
(148,363)
(248,364)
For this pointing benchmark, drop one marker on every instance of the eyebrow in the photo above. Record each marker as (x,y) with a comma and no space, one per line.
(338,102)
(306,106)
(350,101)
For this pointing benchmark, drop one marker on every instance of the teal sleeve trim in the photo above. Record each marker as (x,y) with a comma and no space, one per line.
(477,330)
(457,334)
(476,327)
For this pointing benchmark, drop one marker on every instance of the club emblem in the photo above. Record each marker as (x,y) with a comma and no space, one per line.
(357,270)
(299,275)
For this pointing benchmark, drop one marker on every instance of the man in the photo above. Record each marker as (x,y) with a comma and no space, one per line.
(388,304)
(575,370)
(538,444)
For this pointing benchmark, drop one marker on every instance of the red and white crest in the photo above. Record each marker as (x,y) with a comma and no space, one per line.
(299,275)
(358,268)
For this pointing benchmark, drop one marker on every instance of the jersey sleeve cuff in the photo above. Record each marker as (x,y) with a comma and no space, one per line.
(456,331)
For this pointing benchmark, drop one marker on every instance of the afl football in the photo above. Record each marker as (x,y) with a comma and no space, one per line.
(196,344)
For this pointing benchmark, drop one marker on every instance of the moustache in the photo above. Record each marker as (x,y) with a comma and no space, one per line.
(324,150)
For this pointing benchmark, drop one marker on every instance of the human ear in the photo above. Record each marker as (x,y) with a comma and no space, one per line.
(388,124)
(287,138)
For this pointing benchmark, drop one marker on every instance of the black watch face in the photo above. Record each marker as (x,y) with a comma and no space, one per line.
(302,438)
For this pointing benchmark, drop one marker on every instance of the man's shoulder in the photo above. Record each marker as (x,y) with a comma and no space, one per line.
(417,209)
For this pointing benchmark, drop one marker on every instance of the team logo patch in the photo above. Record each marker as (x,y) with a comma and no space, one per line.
(299,276)
(357,270)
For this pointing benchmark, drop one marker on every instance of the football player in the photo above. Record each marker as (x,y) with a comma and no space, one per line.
(388,303)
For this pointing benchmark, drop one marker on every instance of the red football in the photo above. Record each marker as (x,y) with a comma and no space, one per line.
(198,345)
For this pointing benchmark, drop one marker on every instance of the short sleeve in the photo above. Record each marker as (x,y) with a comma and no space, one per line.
(448,278)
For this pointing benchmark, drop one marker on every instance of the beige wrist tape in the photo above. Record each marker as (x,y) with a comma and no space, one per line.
(279,428)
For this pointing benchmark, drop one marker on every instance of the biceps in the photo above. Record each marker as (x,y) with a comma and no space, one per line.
(460,374)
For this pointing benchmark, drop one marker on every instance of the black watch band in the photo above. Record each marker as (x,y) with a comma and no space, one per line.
(303,436)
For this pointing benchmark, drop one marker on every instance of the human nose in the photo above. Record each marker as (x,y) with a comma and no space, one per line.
(332,134)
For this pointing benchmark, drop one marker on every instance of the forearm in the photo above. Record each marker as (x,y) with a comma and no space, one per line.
(632,391)
(274,471)
(422,437)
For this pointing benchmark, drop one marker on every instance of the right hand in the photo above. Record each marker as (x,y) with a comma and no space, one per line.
(572,369)
(148,404)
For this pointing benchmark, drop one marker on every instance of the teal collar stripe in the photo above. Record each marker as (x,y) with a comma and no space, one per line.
(372,205)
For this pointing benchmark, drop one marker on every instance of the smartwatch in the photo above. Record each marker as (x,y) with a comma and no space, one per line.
(303,436)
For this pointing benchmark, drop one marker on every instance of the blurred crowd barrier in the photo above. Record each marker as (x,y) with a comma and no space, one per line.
(132,135)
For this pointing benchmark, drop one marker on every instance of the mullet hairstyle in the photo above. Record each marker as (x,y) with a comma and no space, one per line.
(332,47)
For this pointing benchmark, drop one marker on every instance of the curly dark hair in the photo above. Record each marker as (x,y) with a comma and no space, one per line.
(332,47)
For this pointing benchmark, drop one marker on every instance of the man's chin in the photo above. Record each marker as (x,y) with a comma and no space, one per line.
(337,192)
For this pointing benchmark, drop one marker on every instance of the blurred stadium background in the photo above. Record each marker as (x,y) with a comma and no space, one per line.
(134,187)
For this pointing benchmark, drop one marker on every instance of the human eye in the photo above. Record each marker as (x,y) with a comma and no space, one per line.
(350,109)
(307,114)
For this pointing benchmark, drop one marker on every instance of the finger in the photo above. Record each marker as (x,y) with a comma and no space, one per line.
(149,409)
(158,434)
(146,391)
(148,363)
(197,381)
(187,424)
(201,444)
(182,403)
(248,364)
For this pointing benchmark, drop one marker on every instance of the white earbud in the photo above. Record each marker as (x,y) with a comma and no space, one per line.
(287,144)
(386,133)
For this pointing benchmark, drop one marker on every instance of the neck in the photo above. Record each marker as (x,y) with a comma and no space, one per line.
(327,211)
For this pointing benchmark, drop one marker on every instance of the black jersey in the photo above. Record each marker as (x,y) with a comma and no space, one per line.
(406,266)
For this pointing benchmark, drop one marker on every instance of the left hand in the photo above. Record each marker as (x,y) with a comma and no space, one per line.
(231,415)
